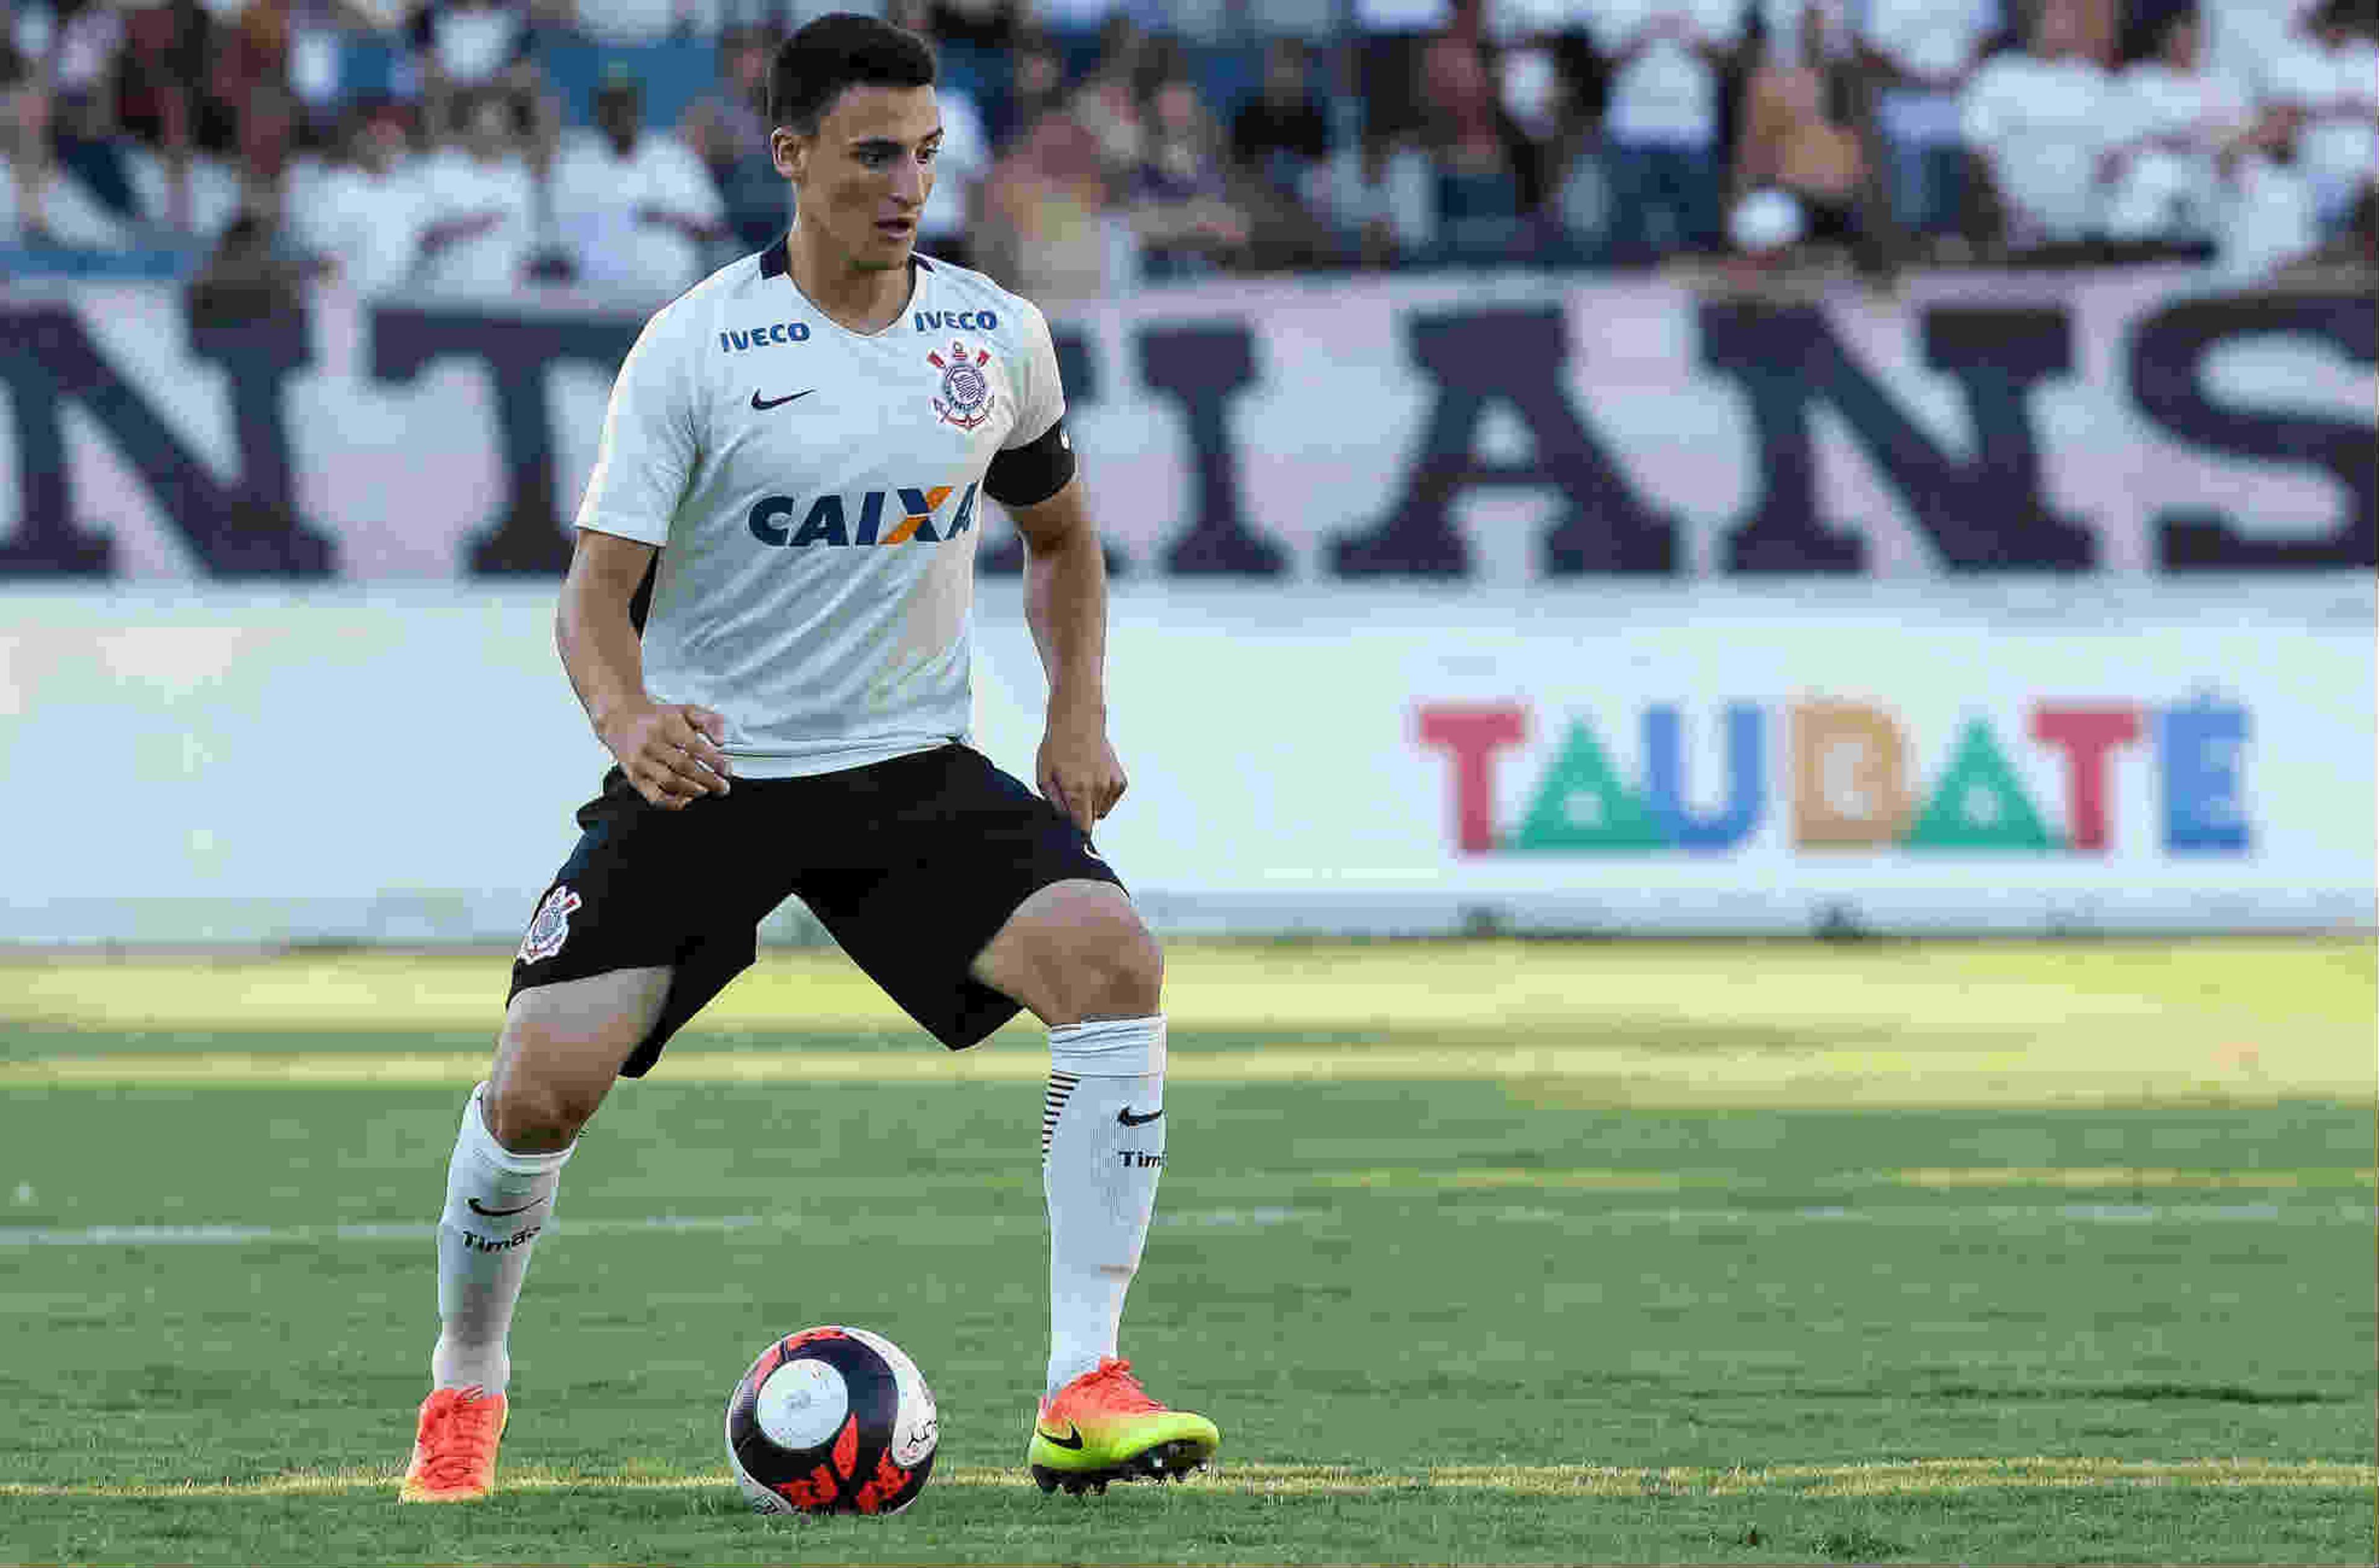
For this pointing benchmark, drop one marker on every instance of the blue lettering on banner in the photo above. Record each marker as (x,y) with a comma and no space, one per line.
(526,536)
(1964,456)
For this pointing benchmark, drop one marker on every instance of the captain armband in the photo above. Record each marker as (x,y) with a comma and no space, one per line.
(1031,474)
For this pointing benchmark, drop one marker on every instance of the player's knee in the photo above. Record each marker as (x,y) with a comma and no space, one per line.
(1122,971)
(541,1094)
(528,1116)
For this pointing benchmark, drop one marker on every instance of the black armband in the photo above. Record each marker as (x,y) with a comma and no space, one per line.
(1031,474)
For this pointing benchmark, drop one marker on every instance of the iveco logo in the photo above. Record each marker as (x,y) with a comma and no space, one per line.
(964,321)
(761,336)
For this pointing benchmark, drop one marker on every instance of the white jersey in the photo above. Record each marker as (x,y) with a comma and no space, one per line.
(817,495)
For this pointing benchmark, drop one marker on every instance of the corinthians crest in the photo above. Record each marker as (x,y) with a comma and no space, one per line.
(550,926)
(965,399)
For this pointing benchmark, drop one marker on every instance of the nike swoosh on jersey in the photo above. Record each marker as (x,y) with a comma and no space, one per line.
(1128,1119)
(763,405)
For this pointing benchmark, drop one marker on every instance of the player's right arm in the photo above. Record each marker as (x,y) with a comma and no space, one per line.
(670,751)
(651,437)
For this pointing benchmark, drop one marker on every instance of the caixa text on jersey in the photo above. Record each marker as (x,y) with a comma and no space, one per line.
(830,519)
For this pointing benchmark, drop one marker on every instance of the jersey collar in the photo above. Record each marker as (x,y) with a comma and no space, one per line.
(776,261)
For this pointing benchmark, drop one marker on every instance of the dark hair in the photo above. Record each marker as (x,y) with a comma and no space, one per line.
(836,51)
(2151,26)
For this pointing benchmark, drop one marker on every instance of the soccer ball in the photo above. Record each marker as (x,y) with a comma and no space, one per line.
(832,1420)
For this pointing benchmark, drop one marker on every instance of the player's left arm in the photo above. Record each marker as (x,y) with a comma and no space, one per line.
(1066,605)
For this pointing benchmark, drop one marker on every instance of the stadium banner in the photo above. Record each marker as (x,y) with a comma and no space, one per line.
(1503,429)
(398,764)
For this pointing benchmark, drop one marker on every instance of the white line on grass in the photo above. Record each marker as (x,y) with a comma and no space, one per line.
(1879,1480)
(1929,1215)
(245,1235)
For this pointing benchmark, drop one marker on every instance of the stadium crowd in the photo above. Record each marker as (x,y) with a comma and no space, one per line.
(619,146)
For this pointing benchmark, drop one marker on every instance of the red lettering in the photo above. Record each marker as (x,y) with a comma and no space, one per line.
(1473,734)
(2087,736)
(815,1490)
(882,1486)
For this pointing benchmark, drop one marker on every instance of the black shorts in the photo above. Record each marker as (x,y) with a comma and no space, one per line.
(912,865)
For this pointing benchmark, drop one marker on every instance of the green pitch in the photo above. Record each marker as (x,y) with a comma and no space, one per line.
(1642,1253)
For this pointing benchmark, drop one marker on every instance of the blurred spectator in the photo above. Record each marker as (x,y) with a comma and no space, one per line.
(1181,210)
(1915,58)
(1476,187)
(946,229)
(625,23)
(2036,120)
(365,215)
(1046,230)
(83,47)
(1109,102)
(2173,130)
(41,203)
(1281,136)
(2327,78)
(1036,84)
(1549,88)
(462,47)
(2188,158)
(1383,193)
(727,129)
(1795,139)
(318,39)
(1536,103)
(469,44)
(1393,33)
(637,214)
(479,203)
(1660,129)
(1280,152)
(251,273)
(984,24)
(164,55)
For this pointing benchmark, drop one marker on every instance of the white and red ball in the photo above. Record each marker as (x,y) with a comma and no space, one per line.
(832,1420)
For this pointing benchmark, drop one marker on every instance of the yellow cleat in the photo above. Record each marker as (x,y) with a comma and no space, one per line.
(455,1446)
(1103,1427)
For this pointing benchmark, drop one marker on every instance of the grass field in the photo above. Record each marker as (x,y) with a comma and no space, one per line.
(1741,1253)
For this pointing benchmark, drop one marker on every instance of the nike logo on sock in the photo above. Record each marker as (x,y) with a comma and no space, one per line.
(1128,1119)
(1073,1438)
(500,1213)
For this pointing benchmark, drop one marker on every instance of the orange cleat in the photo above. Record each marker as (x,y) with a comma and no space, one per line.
(455,1446)
(1103,1427)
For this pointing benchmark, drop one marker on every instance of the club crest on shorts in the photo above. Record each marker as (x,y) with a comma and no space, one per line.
(966,396)
(550,927)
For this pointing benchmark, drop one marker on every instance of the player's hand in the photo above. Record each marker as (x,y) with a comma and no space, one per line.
(1076,769)
(670,752)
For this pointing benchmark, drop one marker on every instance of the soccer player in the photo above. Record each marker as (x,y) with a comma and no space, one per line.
(766,620)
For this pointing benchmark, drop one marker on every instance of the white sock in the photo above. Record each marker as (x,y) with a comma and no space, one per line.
(496,1203)
(1098,1172)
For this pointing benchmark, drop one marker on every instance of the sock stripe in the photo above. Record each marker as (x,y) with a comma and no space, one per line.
(1061,1089)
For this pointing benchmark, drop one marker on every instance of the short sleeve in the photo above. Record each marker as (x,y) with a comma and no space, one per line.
(1040,398)
(649,447)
